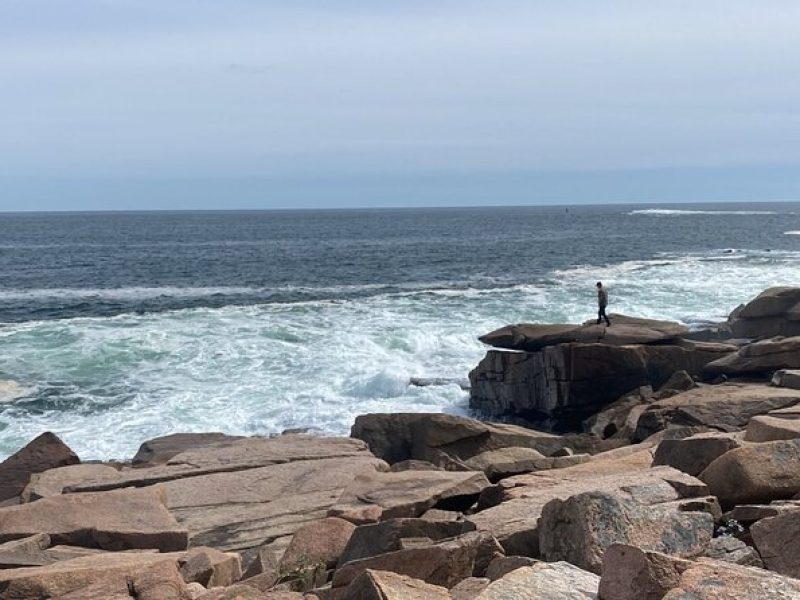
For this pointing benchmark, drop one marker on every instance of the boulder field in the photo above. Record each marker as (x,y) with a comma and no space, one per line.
(669,469)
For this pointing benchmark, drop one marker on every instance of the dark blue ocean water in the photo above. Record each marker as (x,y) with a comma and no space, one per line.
(58,265)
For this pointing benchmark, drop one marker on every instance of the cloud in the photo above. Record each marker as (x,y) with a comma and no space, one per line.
(114,88)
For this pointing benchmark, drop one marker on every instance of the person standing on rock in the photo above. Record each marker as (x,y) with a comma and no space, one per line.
(602,302)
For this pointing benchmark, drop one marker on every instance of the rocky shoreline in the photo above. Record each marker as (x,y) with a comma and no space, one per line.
(640,461)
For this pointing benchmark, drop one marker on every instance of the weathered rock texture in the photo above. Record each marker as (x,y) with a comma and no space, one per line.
(774,312)
(409,493)
(782,424)
(119,520)
(725,407)
(241,494)
(787,378)
(44,452)
(320,542)
(613,421)
(631,573)
(53,481)
(447,441)
(388,536)
(560,386)
(159,450)
(694,453)
(512,510)
(109,573)
(731,549)
(444,563)
(708,579)
(626,331)
(384,585)
(758,359)
(581,528)
(755,473)
(544,581)
(778,542)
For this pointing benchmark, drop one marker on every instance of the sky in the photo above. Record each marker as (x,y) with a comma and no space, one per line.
(134,104)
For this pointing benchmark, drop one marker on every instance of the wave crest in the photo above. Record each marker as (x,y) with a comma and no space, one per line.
(670,212)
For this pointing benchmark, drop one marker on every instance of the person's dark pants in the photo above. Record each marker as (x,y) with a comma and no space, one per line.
(601,314)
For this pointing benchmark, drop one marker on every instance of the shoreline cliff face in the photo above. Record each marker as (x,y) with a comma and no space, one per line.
(674,474)
(556,376)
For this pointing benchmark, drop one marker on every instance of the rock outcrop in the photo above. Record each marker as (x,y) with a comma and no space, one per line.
(759,359)
(781,424)
(774,312)
(694,453)
(777,539)
(254,512)
(632,573)
(718,580)
(44,452)
(755,473)
(625,331)
(447,441)
(511,513)
(409,493)
(300,517)
(725,407)
(559,386)
(119,520)
(580,529)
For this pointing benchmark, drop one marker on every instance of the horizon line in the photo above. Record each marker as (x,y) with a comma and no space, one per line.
(623,203)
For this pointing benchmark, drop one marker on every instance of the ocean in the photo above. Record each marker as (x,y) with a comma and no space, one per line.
(119,327)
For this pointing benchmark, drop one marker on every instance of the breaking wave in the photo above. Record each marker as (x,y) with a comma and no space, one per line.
(669,212)
(106,383)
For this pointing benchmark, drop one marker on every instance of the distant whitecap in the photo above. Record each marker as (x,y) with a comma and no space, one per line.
(668,212)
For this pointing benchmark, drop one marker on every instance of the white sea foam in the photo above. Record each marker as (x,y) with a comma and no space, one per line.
(669,212)
(791,233)
(11,390)
(106,384)
(126,293)
(137,294)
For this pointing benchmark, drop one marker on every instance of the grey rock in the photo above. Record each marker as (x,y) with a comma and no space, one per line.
(560,386)
(731,549)
(580,529)
(789,378)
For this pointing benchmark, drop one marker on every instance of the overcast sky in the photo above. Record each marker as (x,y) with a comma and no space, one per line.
(121,104)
